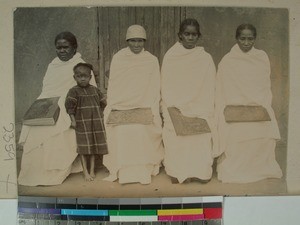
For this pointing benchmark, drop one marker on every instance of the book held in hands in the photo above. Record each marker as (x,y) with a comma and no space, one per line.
(43,112)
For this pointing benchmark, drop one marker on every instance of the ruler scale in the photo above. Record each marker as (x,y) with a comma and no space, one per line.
(102,211)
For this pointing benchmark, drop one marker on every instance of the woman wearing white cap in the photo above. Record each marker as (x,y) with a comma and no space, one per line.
(135,147)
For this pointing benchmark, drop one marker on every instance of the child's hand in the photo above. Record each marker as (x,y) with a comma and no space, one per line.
(73,124)
(73,121)
(103,103)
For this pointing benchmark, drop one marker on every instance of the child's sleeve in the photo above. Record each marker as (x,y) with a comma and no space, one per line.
(71,102)
(102,99)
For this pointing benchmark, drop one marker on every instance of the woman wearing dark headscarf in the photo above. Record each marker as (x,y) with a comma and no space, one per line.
(49,152)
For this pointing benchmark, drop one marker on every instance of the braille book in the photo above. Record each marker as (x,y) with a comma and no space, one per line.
(132,116)
(245,113)
(184,125)
(43,112)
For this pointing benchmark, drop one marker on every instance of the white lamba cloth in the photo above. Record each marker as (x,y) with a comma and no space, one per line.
(49,152)
(188,83)
(247,147)
(135,150)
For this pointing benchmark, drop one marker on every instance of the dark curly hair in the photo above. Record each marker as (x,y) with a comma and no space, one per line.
(189,22)
(83,64)
(67,36)
(244,26)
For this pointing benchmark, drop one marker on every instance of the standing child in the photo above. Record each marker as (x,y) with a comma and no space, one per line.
(84,104)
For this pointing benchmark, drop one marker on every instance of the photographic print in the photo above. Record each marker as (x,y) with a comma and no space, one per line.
(200,60)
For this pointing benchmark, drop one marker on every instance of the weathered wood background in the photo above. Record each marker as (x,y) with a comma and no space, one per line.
(100,32)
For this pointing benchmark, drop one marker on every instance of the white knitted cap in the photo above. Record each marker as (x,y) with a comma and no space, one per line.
(135,31)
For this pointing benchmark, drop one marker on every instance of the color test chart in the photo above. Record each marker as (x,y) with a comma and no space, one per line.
(100,211)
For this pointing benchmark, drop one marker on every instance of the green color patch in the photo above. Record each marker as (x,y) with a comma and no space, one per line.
(132,212)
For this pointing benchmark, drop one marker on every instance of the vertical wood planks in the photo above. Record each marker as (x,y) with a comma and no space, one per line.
(34,32)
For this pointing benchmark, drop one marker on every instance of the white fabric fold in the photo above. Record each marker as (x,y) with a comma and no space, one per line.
(191,72)
(244,79)
(134,82)
(54,146)
(248,147)
(188,83)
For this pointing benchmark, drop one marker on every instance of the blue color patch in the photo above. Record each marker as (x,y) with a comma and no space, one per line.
(84,212)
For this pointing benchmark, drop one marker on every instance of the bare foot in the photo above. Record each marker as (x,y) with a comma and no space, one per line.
(93,175)
(87,177)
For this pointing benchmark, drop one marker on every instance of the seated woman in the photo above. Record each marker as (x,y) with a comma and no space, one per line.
(188,84)
(49,151)
(134,147)
(247,143)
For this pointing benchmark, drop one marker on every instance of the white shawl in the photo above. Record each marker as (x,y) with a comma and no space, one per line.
(188,81)
(56,83)
(59,77)
(134,82)
(244,79)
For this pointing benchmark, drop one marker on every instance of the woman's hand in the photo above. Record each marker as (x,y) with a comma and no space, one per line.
(73,124)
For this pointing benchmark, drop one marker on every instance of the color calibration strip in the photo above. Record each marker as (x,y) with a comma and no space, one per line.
(83,211)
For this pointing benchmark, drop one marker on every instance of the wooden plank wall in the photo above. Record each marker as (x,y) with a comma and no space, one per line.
(101,33)
(34,33)
(217,24)
(160,23)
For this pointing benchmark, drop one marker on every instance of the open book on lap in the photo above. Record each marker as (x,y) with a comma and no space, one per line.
(245,113)
(131,116)
(184,125)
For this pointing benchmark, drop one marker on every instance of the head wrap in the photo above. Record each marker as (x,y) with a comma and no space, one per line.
(135,31)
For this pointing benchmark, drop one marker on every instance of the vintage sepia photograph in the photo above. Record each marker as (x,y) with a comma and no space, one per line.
(153,101)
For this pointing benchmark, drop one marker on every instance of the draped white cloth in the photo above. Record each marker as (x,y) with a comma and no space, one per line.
(188,83)
(135,150)
(49,151)
(247,147)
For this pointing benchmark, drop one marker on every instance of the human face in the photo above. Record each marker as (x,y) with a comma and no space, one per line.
(82,76)
(64,50)
(246,40)
(136,45)
(189,37)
